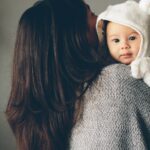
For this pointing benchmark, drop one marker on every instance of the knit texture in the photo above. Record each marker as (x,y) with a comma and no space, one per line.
(116,114)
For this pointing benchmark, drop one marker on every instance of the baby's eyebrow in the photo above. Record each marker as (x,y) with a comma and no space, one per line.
(113,35)
(134,32)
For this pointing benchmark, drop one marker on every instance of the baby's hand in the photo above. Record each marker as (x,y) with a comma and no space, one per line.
(140,68)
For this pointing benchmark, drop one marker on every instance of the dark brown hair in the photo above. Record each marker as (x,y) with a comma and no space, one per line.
(52,62)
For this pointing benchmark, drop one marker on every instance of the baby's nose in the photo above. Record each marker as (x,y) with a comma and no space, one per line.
(125,45)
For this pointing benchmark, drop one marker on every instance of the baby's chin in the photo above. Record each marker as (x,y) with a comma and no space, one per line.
(126,62)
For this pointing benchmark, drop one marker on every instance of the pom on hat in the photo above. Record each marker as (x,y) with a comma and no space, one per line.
(145,5)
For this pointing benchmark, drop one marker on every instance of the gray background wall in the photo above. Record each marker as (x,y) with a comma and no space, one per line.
(10,11)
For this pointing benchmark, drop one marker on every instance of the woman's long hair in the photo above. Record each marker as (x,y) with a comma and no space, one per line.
(52,62)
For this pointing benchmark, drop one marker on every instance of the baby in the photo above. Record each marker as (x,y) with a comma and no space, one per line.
(123,42)
(126,31)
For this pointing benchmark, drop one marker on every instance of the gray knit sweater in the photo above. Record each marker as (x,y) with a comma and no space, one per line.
(116,113)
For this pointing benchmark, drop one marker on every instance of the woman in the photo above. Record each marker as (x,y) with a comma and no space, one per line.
(52,61)
(57,100)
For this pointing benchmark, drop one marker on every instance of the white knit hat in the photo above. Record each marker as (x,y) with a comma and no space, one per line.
(137,16)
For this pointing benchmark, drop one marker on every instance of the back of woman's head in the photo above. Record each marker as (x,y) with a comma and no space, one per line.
(52,61)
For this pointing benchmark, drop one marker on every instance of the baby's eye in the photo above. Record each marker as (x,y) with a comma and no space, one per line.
(116,40)
(132,38)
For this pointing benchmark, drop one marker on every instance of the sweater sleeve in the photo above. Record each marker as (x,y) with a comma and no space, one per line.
(116,113)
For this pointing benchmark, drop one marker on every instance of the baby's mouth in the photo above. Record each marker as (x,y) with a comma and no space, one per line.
(126,55)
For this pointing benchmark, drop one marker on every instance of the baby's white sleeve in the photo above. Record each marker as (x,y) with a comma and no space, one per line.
(140,69)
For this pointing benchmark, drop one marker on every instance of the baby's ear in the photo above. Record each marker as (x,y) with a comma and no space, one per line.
(145,5)
(99,29)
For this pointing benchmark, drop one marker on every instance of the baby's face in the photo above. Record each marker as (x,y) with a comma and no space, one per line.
(123,42)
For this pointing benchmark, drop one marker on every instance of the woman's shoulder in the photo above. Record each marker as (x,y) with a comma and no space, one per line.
(116,106)
(119,75)
(116,71)
(116,81)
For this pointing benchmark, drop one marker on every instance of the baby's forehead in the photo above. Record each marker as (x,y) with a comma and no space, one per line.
(113,27)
